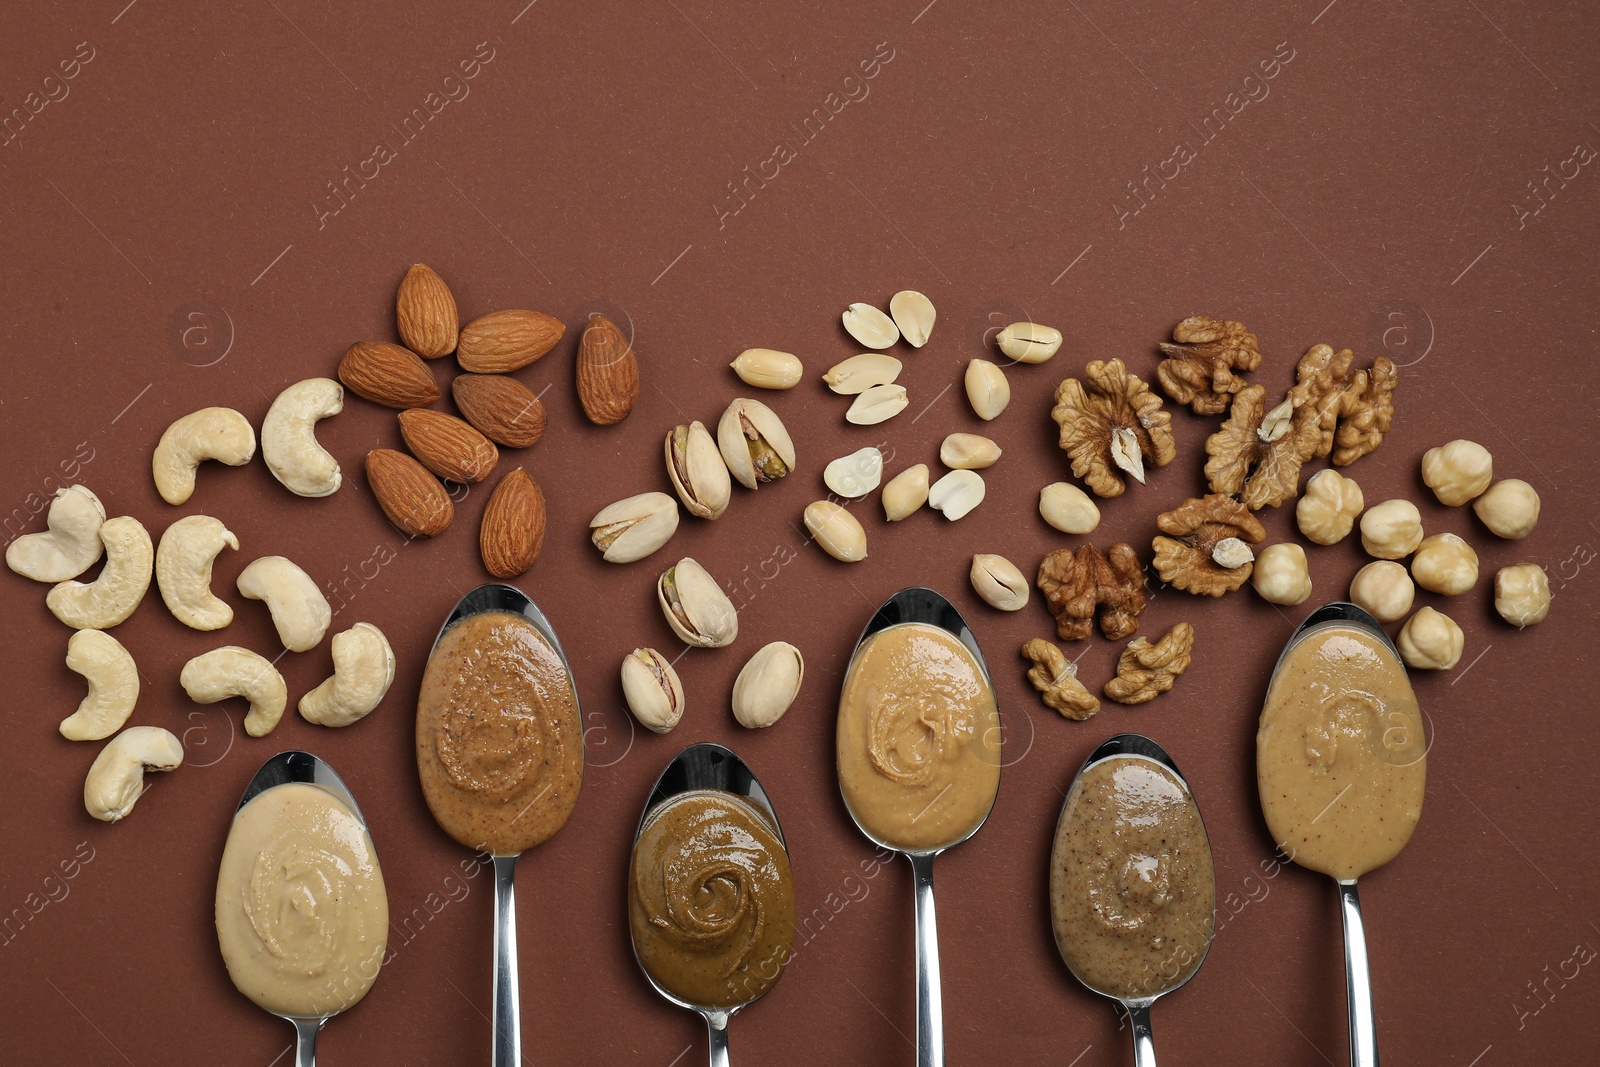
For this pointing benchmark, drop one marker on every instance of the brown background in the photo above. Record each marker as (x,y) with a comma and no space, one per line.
(164,253)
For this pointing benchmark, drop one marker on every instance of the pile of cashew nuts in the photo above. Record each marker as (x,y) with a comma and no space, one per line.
(77,533)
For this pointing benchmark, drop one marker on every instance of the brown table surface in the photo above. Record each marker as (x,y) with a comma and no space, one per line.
(1409,179)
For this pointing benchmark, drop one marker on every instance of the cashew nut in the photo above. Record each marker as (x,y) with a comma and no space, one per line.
(231,671)
(113,686)
(221,434)
(363,667)
(70,543)
(110,598)
(116,778)
(183,571)
(299,610)
(289,438)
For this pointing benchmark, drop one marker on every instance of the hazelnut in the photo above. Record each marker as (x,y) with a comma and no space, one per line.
(1392,529)
(1384,589)
(1457,472)
(1430,641)
(1329,508)
(1510,508)
(1446,564)
(1522,594)
(1281,575)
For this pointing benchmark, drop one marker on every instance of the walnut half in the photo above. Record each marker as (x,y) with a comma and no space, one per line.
(1203,547)
(1057,681)
(1199,369)
(1145,671)
(1077,584)
(1112,422)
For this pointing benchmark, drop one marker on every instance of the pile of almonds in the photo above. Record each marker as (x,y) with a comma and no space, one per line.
(496,410)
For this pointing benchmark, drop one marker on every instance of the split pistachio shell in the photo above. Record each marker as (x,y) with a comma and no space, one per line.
(1068,508)
(767,368)
(652,689)
(1028,342)
(634,527)
(837,531)
(913,314)
(768,684)
(999,582)
(878,404)
(956,493)
(856,474)
(871,327)
(987,389)
(754,443)
(906,492)
(968,451)
(697,609)
(860,373)
(697,471)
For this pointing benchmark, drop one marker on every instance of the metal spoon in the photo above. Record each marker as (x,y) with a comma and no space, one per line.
(923,605)
(696,768)
(506,1015)
(1357,973)
(1134,746)
(282,769)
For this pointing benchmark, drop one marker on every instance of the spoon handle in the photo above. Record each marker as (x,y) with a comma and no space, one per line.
(507,1015)
(305,1041)
(717,1034)
(1144,1041)
(1358,980)
(930,999)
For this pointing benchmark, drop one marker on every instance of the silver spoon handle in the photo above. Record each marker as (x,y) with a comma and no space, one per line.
(930,998)
(1144,1042)
(1358,980)
(305,1041)
(717,1034)
(507,1014)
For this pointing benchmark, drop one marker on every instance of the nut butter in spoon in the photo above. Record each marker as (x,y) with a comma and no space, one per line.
(500,754)
(1341,766)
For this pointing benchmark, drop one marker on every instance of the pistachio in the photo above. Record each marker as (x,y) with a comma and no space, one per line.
(754,443)
(856,474)
(987,389)
(1028,342)
(968,451)
(956,493)
(652,689)
(698,474)
(767,368)
(768,684)
(999,582)
(696,608)
(878,404)
(914,314)
(837,531)
(906,492)
(860,373)
(1068,508)
(634,527)
(870,326)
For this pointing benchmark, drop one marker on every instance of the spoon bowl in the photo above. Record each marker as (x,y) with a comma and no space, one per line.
(506,1018)
(283,769)
(704,768)
(1135,747)
(925,606)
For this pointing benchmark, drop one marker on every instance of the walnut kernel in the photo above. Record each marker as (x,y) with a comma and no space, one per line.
(1056,679)
(1077,584)
(1185,549)
(1199,369)
(1145,671)
(1112,422)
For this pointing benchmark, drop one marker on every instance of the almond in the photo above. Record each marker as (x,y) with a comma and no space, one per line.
(387,374)
(447,446)
(426,313)
(503,341)
(503,409)
(513,525)
(608,375)
(412,498)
